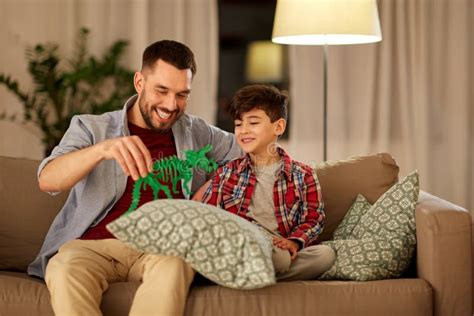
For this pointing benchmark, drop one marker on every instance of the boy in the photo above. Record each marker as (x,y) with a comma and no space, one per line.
(270,189)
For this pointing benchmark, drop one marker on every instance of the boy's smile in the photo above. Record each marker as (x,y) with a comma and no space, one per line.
(246,140)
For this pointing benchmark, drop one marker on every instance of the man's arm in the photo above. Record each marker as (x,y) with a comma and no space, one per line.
(224,145)
(65,171)
(76,156)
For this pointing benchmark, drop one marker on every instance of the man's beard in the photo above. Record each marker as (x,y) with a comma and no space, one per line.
(147,113)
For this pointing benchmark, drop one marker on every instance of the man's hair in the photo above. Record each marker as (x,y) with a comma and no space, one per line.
(172,52)
(267,98)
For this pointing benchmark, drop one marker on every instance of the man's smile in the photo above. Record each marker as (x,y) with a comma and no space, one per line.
(163,115)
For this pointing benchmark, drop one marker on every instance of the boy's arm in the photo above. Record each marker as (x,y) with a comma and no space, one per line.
(313,213)
(209,192)
(198,196)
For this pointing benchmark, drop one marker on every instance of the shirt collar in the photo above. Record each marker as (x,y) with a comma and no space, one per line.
(130,102)
(246,163)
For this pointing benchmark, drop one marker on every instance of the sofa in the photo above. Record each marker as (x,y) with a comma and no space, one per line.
(439,282)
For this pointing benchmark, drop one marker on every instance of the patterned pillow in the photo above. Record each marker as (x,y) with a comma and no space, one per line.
(368,259)
(352,218)
(221,246)
(394,212)
(383,241)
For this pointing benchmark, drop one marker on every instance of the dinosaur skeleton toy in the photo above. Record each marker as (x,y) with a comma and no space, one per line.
(174,169)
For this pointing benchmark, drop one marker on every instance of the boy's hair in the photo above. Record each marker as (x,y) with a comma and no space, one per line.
(172,52)
(267,98)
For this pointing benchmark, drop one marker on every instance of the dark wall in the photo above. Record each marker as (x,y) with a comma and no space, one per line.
(240,22)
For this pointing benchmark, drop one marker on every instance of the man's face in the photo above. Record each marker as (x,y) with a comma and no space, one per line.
(163,93)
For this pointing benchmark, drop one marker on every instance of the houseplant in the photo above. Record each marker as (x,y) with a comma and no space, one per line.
(64,88)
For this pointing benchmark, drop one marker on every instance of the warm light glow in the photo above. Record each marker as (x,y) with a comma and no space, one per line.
(327,39)
(264,62)
(331,22)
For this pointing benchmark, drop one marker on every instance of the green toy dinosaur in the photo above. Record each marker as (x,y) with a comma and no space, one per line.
(174,169)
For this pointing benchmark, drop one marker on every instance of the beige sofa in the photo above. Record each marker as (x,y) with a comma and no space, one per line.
(440,282)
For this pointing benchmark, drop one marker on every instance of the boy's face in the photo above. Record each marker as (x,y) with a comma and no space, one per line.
(255,132)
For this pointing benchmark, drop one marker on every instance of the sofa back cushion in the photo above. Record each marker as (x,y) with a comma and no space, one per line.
(26,213)
(341,181)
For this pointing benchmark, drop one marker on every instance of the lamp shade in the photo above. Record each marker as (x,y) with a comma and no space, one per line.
(326,22)
(264,62)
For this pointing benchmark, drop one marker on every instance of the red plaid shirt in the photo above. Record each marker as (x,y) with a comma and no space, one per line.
(297,196)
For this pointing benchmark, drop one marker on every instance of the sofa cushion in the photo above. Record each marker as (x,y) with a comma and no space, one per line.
(23,295)
(342,180)
(385,297)
(382,243)
(223,247)
(352,218)
(373,258)
(394,213)
(26,213)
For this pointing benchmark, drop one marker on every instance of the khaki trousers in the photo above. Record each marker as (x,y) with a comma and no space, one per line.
(82,270)
(310,263)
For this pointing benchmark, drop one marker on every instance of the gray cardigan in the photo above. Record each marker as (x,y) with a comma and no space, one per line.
(91,199)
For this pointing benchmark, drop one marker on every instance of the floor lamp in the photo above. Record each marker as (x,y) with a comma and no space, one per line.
(326,22)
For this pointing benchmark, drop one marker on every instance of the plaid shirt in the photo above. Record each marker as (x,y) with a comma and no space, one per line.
(299,209)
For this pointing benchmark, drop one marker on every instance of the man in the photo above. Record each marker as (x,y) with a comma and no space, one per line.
(99,158)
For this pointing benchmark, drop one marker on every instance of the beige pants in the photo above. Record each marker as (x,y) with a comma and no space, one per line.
(310,263)
(83,269)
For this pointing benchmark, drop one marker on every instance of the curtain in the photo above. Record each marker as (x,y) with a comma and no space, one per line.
(410,95)
(141,22)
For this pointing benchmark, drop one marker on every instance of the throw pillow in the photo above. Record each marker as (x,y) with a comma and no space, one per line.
(382,243)
(394,213)
(342,180)
(367,259)
(352,218)
(221,246)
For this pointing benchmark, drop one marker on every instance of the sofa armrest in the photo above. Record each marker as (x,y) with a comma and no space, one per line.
(444,253)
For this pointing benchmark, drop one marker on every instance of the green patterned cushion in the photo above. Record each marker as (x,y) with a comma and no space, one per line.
(352,218)
(368,259)
(382,243)
(394,212)
(221,246)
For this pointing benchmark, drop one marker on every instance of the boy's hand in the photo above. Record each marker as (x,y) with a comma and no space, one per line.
(287,244)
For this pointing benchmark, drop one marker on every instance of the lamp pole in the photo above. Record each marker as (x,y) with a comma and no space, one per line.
(326,22)
(325,103)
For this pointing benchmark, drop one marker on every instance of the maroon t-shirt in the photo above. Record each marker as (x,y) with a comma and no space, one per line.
(160,145)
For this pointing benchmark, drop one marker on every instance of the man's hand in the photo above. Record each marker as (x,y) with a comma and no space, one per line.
(63,172)
(287,244)
(131,154)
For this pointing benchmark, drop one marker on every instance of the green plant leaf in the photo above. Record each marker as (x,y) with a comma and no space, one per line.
(64,88)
